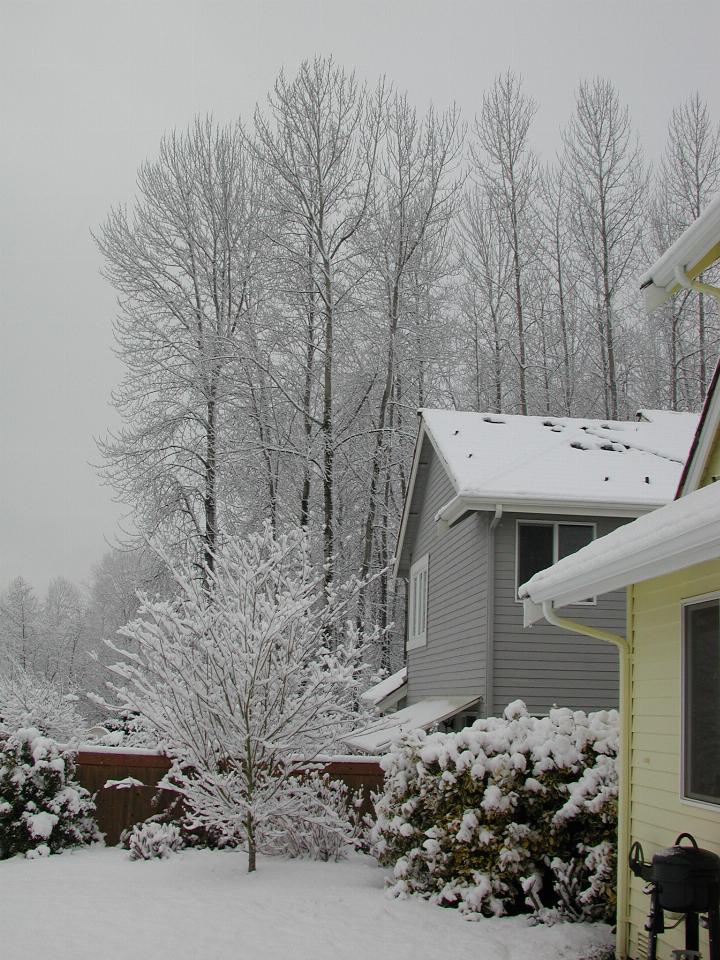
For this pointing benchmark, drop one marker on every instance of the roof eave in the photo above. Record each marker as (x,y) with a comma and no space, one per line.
(464,503)
(696,249)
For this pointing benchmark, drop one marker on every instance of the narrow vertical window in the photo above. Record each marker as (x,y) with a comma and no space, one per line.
(417,604)
(701,701)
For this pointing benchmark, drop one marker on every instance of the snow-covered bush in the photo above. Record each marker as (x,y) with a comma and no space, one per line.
(42,808)
(247,675)
(28,700)
(152,840)
(513,813)
(328,822)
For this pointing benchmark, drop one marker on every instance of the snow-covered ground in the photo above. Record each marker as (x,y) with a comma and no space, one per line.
(95,902)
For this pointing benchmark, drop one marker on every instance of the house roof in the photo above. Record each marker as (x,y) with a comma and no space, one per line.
(695,250)
(508,458)
(420,715)
(554,464)
(375,695)
(684,532)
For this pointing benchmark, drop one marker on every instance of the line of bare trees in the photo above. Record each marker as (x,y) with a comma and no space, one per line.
(292,290)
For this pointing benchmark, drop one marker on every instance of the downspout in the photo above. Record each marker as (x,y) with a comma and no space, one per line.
(625,693)
(489,704)
(684,280)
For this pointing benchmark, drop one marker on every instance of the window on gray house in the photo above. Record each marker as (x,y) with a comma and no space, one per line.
(701,701)
(540,545)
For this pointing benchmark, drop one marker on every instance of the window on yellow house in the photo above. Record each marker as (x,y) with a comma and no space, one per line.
(701,701)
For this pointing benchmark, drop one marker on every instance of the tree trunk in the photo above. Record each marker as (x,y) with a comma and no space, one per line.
(210,499)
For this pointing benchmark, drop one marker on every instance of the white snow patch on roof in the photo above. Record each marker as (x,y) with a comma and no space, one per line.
(418,716)
(512,457)
(685,531)
(374,695)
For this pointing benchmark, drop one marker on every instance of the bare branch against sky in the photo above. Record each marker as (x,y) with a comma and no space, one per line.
(87,90)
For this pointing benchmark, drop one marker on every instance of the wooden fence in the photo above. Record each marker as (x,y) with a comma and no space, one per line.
(118,808)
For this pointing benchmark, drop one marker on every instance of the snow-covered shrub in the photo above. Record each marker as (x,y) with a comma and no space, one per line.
(326,823)
(513,813)
(245,677)
(152,840)
(42,808)
(28,700)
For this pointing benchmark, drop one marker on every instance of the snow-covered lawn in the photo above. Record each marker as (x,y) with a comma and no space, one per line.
(92,903)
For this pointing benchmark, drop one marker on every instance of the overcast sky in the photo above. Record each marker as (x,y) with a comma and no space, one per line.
(88,88)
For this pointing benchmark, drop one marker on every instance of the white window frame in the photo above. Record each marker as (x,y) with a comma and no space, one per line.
(555,524)
(690,801)
(417,604)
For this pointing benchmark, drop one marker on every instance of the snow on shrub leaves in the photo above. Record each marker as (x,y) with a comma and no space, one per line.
(513,813)
(42,809)
(153,841)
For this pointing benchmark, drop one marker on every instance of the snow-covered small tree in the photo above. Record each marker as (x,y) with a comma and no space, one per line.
(42,808)
(246,676)
(28,700)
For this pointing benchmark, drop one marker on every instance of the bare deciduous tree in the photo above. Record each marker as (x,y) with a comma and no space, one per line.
(609,183)
(185,264)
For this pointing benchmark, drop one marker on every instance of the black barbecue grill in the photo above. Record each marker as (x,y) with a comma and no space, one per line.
(686,880)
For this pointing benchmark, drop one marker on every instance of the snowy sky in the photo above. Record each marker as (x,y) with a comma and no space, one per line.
(86,91)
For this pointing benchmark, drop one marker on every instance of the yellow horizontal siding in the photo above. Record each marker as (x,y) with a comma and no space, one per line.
(712,469)
(657,814)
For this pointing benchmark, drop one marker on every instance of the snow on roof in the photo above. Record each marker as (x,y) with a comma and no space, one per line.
(694,250)
(419,715)
(376,694)
(684,532)
(562,459)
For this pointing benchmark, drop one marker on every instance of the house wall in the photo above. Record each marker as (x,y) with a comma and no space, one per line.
(657,814)
(712,468)
(452,663)
(545,665)
(542,666)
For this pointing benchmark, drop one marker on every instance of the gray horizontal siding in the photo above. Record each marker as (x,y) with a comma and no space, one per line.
(544,665)
(453,661)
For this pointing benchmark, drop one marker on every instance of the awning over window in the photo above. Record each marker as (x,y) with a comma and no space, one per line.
(421,715)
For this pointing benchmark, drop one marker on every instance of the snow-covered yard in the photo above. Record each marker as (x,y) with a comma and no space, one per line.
(92,903)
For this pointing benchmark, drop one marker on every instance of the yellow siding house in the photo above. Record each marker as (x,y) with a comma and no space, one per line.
(670,658)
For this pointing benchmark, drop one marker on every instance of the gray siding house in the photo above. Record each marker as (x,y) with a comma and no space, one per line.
(491,500)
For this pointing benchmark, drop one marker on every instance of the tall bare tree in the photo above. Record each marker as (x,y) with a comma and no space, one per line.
(507,168)
(413,203)
(185,263)
(609,181)
(319,143)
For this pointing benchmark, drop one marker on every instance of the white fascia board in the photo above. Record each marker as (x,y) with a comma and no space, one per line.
(688,250)
(708,431)
(460,504)
(675,554)
(408,497)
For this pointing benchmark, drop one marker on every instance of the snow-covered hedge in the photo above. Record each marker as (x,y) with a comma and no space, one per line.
(513,813)
(42,808)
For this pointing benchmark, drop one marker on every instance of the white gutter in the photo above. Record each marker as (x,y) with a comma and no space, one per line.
(463,503)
